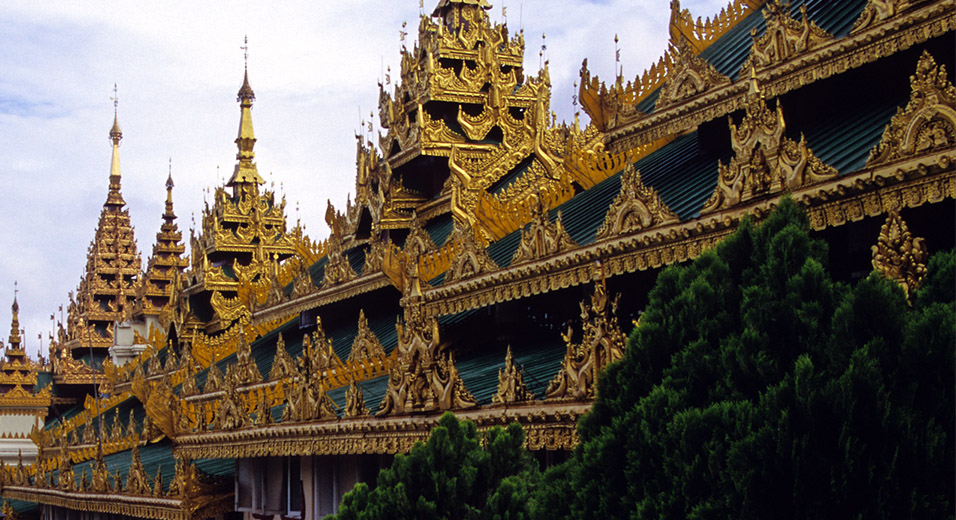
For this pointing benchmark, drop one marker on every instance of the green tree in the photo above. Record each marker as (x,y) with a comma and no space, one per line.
(758,387)
(452,476)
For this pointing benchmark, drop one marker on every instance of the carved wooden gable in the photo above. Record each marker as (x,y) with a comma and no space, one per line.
(765,161)
(636,207)
(927,124)
(784,38)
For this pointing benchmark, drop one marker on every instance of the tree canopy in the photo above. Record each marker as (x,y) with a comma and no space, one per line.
(758,387)
(452,476)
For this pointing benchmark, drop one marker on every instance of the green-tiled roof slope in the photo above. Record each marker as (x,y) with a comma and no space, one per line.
(154,457)
(729,52)
(23,507)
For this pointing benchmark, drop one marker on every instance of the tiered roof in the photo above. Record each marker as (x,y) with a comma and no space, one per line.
(166,262)
(107,290)
(243,235)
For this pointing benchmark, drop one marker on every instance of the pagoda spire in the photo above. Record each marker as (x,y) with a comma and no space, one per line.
(14,340)
(115,198)
(245,172)
(166,261)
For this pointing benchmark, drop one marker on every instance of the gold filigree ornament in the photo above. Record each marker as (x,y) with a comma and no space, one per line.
(689,76)
(765,162)
(635,208)
(879,11)
(232,414)
(511,385)
(366,344)
(784,38)
(927,124)
(282,364)
(602,344)
(355,402)
(137,482)
(471,258)
(424,378)
(898,255)
(542,238)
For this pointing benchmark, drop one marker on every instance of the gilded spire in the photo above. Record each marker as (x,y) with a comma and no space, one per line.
(245,171)
(169,216)
(115,198)
(14,339)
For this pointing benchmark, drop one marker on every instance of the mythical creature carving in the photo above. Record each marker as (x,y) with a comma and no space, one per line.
(542,238)
(602,344)
(636,207)
(355,402)
(511,385)
(765,161)
(898,255)
(927,124)
(784,38)
(689,76)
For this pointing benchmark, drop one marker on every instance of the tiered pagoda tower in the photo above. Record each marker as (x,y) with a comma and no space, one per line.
(243,236)
(107,291)
(464,119)
(21,406)
(166,262)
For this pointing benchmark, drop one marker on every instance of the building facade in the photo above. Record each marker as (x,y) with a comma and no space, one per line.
(492,262)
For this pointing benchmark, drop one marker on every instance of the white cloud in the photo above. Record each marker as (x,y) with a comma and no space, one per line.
(314,67)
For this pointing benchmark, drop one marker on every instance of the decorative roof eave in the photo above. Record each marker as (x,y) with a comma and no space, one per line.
(867,46)
(869,192)
(549,425)
(322,297)
(110,503)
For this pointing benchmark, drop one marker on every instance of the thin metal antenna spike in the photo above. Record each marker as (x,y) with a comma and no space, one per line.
(115,99)
(245,51)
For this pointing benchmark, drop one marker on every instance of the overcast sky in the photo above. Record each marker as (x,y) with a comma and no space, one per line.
(314,67)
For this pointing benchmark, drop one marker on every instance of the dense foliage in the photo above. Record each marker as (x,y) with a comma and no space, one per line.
(757,387)
(452,476)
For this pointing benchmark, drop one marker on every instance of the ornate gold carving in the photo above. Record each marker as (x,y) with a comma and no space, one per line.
(603,343)
(306,400)
(877,12)
(765,161)
(424,377)
(232,413)
(365,345)
(927,124)
(635,208)
(511,386)
(355,402)
(137,482)
(470,258)
(898,255)
(689,76)
(282,364)
(245,368)
(542,238)
(784,38)
(700,34)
